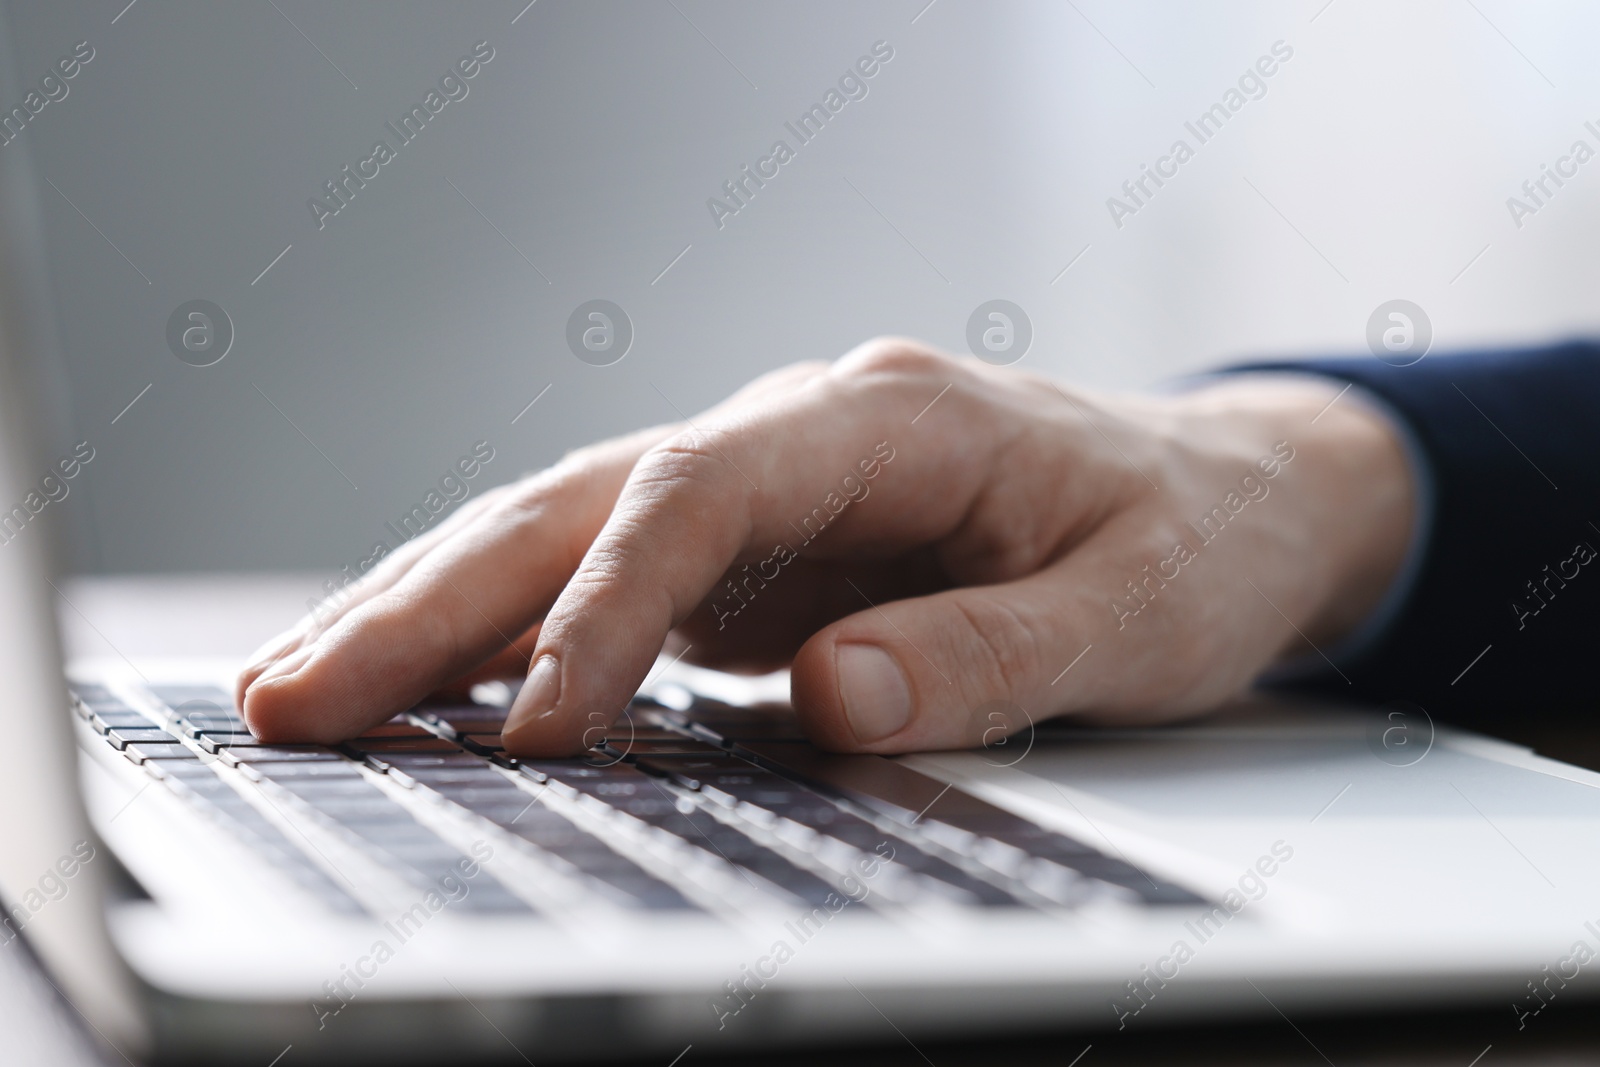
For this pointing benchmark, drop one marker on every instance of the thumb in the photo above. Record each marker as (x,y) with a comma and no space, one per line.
(933,672)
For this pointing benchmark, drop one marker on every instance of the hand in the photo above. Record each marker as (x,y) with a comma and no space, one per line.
(920,538)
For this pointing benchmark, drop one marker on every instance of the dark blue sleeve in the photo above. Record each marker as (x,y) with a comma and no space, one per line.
(1503,621)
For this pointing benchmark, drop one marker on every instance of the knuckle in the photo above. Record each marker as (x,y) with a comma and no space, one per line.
(524,511)
(496,493)
(783,378)
(897,356)
(537,492)
(697,461)
(568,478)
(574,460)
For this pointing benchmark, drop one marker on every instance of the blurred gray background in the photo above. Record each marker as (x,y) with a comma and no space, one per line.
(429,312)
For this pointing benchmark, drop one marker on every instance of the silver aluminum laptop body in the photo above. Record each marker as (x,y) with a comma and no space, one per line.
(1321,860)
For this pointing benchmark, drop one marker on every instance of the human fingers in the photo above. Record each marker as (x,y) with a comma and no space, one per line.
(510,663)
(463,599)
(1277,524)
(451,603)
(773,478)
(383,576)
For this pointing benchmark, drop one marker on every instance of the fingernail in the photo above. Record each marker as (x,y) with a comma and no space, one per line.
(539,693)
(877,700)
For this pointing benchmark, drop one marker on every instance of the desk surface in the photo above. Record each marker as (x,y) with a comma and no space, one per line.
(231,615)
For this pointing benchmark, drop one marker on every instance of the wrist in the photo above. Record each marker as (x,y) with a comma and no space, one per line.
(1352,487)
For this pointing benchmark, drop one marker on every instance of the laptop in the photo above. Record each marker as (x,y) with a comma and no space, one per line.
(703,880)
(706,880)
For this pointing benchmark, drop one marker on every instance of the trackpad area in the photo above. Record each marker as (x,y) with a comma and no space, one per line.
(1376,811)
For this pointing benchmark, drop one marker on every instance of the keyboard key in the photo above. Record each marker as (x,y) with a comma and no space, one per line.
(520,813)
(202,708)
(700,829)
(121,737)
(460,727)
(176,768)
(738,759)
(139,752)
(299,769)
(709,767)
(353,808)
(110,720)
(958,821)
(485,796)
(286,754)
(765,797)
(429,855)
(397,830)
(93,700)
(394,746)
(723,724)
(412,851)
(637,794)
(316,790)
(573,773)
(210,727)
(216,742)
(478,773)
(210,720)
(174,696)
(394,729)
(552,832)
(209,782)
(89,693)
(201,785)
(320,776)
(482,744)
(417,766)
(473,719)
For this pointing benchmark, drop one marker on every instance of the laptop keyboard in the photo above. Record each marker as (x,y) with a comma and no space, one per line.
(707,809)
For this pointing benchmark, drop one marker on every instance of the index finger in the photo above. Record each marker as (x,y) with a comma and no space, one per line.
(467,598)
(759,484)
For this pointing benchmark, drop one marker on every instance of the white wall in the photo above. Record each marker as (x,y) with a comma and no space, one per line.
(408,328)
